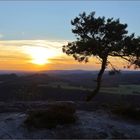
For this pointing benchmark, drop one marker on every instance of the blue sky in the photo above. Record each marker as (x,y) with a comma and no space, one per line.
(51,20)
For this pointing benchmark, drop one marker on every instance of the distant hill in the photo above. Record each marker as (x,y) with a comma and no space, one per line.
(72,77)
(82,71)
(63,72)
(59,72)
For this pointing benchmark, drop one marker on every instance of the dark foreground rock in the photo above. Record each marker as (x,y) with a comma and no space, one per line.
(57,113)
(95,124)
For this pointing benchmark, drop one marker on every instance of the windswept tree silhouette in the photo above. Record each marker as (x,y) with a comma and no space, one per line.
(100,37)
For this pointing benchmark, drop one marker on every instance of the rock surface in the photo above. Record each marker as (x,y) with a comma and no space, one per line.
(95,124)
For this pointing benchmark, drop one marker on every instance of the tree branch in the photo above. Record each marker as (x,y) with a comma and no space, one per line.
(122,56)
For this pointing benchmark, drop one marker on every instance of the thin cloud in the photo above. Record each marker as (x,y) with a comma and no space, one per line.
(13,57)
(42,43)
(1,36)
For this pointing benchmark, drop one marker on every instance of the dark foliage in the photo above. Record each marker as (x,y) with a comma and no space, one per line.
(114,71)
(59,113)
(129,112)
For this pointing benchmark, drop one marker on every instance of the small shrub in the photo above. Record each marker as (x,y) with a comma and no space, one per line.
(128,112)
(49,118)
(60,106)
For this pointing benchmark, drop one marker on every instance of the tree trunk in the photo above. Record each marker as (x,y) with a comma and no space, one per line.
(99,78)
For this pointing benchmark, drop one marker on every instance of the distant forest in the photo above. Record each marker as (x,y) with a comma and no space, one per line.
(49,86)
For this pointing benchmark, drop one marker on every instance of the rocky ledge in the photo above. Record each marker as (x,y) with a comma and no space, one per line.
(91,124)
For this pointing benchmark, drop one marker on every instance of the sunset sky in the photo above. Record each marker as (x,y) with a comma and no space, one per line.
(32,33)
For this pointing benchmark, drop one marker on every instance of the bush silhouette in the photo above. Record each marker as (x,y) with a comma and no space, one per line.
(57,113)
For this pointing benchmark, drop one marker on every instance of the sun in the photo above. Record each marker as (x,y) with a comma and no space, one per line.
(39,55)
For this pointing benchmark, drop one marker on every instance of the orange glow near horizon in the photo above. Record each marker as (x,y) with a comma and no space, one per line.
(37,55)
